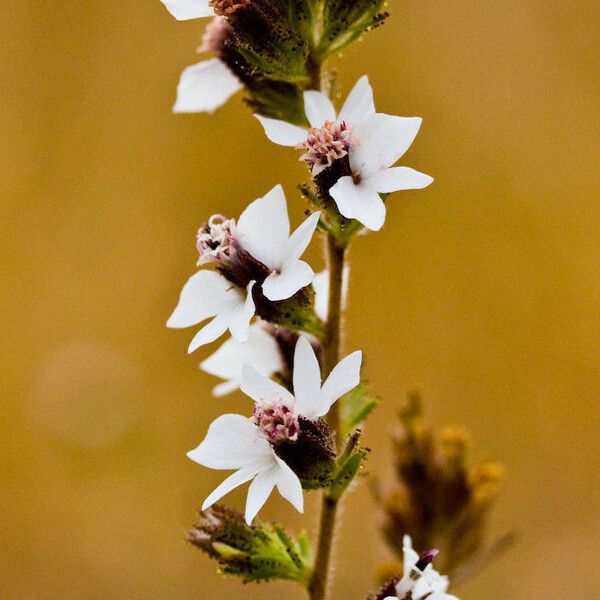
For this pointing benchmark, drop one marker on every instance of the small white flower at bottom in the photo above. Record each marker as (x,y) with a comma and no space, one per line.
(420,581)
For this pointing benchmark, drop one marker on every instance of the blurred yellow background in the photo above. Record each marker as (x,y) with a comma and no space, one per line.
(483,291)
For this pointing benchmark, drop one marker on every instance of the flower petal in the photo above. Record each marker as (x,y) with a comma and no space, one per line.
(264,227)
(359,202)
(320,284)
(318,108)
(222,389)
(211,331)
(383,139)
(283,285)
(297,243)
(289,486)
(204,295)
(188,9)
(398,178)
(359,103)
(232,442)
(261,351)
(421,588)
(281,132)
(307,380)
(236,479)
(239,324)
(410,556)
(260,388)
(260,489)
(205,86)
(344,377)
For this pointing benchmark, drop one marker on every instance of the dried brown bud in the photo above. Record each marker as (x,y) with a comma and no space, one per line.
(438,499)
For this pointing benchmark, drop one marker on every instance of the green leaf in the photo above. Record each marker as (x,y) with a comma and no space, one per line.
(355,408)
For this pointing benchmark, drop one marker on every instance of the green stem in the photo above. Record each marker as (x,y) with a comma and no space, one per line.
(336,253)
(315,70)
(317,588)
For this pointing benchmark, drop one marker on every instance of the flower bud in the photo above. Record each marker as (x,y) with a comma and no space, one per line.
(259,552)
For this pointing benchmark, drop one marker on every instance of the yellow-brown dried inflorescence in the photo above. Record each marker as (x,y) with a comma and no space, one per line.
(437,498)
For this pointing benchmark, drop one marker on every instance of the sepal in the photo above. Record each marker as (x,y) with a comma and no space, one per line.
(311,456)
(296,313)
(356,406)
(348,466)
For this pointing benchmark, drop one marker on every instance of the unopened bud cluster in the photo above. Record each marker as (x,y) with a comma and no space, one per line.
(258,552)
(438,498)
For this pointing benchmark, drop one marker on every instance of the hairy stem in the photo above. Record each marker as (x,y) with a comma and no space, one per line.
(331,352)
(336,254)
(317,588)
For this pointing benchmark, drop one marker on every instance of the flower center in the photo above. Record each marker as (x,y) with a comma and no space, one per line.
(214,240)
(326,144)
(227,7)
(276,420)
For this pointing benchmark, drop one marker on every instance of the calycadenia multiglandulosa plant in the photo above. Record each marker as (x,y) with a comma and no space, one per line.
(306,400)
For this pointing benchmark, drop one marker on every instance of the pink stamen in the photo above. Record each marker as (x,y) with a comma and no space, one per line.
(326,144)
(276,420)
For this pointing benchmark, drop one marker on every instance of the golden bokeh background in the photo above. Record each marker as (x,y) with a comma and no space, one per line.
(483,291)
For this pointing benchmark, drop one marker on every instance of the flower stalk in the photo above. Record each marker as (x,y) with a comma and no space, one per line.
(336,254)
(286,321)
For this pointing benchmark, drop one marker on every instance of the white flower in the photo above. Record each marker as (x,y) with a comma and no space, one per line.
(263,230)
(260,351)
(373,142)
(183,10)
(208,294)
(236,442)
(246,445)
(424,582)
